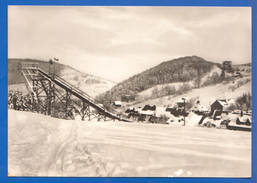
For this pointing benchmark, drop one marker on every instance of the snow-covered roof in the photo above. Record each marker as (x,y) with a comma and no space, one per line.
(199,107)
(147,112)
(222,102)
(117,102)
(130,109)
(138,109)
(226,102)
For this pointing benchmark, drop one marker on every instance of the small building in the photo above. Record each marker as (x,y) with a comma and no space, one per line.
(198,108)
(177,111)
(149,108)
(161,116)
(147,113)
(244,121)
(222,104)
(117,103)
(130,110)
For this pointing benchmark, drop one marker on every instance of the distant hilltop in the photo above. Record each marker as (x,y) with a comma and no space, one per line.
(182,69)
(175,77)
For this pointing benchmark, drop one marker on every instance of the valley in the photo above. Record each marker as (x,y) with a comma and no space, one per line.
(44,145)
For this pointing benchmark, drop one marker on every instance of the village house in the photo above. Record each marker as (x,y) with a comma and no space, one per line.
(222,104)
(117,103)
(149,108)
(198,108)
(178,108)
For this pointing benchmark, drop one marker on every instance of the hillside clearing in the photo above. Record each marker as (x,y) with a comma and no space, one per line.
(207,95)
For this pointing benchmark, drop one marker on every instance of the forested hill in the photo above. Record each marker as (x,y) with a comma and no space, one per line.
(177,70)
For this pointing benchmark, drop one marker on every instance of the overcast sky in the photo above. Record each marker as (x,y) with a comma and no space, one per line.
(118,42)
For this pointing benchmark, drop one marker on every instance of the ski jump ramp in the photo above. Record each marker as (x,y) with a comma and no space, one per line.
(52,93)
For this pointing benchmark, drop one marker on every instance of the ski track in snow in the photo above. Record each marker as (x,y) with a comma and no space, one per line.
(39,145)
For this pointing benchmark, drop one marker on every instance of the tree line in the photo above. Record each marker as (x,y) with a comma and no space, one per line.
(184,69)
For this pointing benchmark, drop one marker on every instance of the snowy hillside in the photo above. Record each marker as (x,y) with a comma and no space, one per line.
(92,85)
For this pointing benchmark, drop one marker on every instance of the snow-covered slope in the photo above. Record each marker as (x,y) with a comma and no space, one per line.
(206,95)
(92,85)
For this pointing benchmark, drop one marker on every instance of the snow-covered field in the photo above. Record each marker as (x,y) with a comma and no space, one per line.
(40,145)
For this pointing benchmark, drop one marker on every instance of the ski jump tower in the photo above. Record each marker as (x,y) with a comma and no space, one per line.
(54,96)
